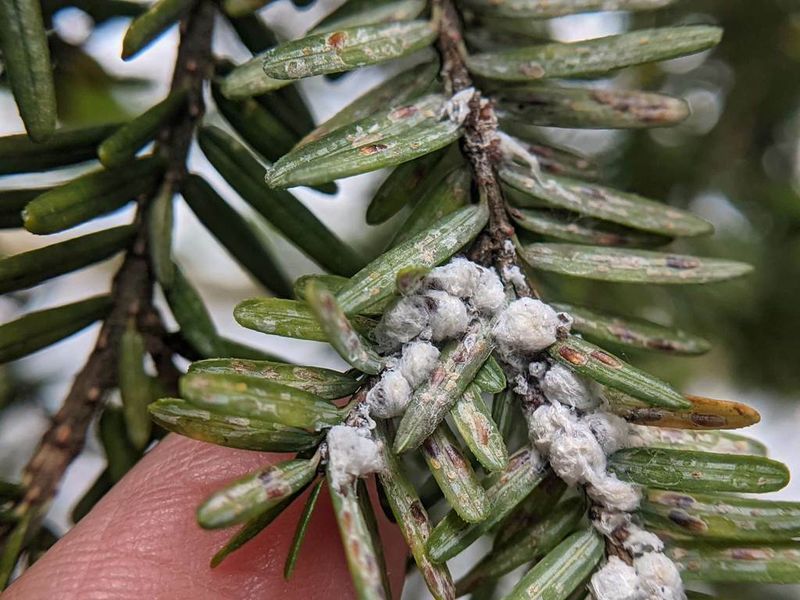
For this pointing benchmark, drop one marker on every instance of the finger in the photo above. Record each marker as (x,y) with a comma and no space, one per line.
(142,540)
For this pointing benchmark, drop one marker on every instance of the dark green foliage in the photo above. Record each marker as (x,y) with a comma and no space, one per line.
(27,58)
(30,268)
(234,232)
(19,154)
(88,196)
(40,329)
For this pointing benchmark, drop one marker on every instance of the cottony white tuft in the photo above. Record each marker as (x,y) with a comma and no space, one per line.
(640,541)
(457,108)
(418,361)
(615,581)
(459,277)
(610,492)
(538,369)
(525,326)
(608,522)
(562,384)
(610,430)
(521,386)
(659,577)
(513,274)
(351,454)
(402,322)
(390,396)
(449,317)
(489,295)
(546,422)
(575,455)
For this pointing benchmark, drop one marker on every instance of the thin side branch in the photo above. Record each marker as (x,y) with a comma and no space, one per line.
(480,145)
(65,438)
(131,291)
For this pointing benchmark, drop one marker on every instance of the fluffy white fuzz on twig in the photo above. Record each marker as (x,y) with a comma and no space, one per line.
(352,453)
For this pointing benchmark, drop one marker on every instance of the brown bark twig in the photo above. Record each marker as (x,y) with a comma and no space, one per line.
(480,145)
(131,290)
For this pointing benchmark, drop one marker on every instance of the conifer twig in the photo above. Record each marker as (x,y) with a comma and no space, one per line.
(481,146)
(131,292)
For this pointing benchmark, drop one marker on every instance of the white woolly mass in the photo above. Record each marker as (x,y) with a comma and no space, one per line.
(610,430)
(448,318)
(511,148)
(653,576)
(418,361)
(351,454)
(615,580)
(360,418)
(576,437)
(637,541)
(578,456)
(402,322)
(575,455)
(513,274)
(568,431)
(457,108)
(521,386)
(490,295)
(640,541)
(659,578)
(562,384)
(538,369)
(614,494)
(525,326)
(608,521)
(459,277)
(390,396)
(546,421)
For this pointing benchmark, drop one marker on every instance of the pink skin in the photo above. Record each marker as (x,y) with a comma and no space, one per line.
(141,541)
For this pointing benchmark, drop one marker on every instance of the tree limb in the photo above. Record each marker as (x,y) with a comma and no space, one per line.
(480,145)
(131,291)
